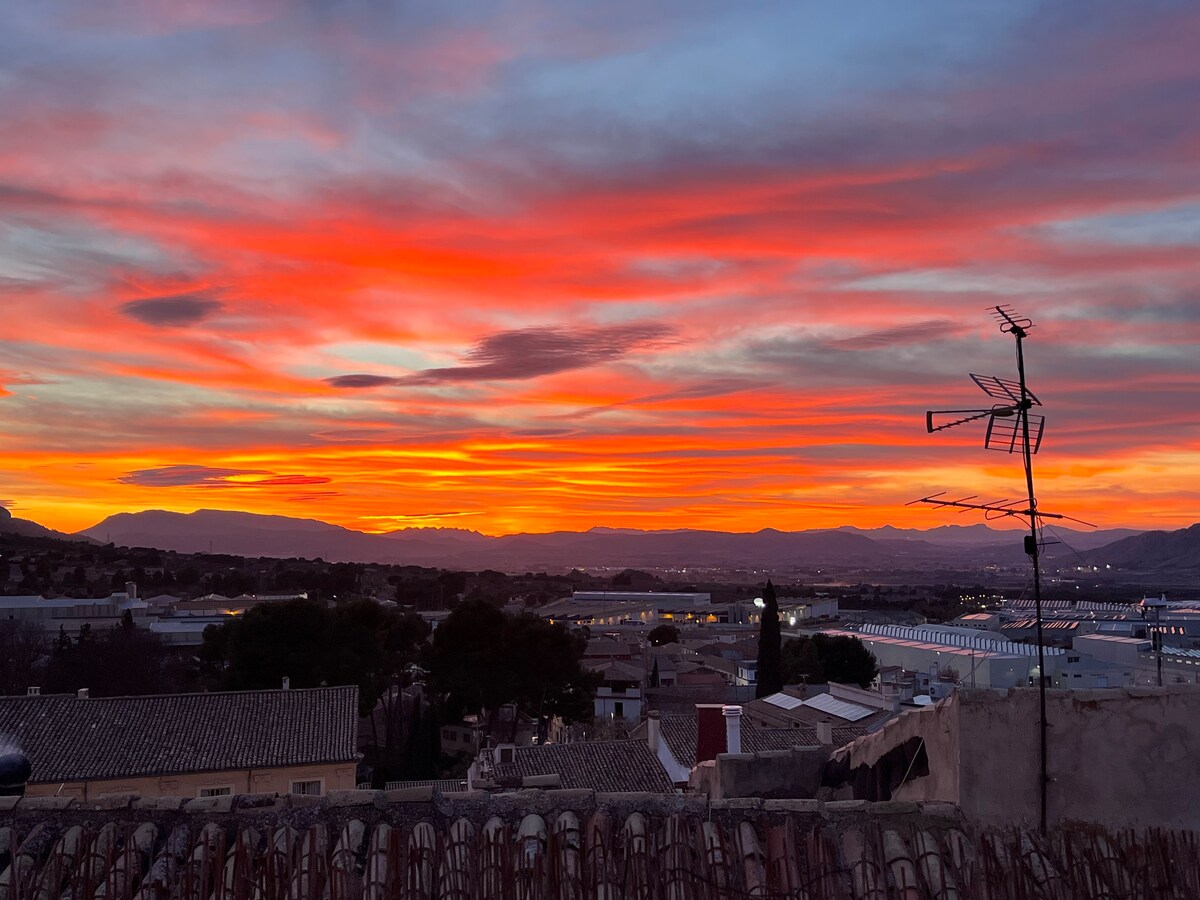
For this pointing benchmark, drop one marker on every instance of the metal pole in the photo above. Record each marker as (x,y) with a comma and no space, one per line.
(1158,641)
(1043,780)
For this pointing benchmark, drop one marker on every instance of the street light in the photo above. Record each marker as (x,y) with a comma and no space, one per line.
(1156,605)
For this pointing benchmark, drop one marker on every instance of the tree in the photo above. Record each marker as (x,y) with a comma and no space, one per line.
(481,659)
(801,662)
(845,660)
(24,648)
(654,676)
(116,662)
(770,663)
(663,634)
(358,642)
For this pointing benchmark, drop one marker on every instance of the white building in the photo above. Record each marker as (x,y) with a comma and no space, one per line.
(619,696)
(976,661)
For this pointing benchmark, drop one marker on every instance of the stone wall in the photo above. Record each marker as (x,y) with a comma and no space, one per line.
(1122,758)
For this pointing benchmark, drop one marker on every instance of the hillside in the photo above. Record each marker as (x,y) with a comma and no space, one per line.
(1153,551)
(248,534)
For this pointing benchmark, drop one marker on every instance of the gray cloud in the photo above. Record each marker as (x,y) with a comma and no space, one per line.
(529,353)
(911,333)
(360,381)
(171,311)
(208,476)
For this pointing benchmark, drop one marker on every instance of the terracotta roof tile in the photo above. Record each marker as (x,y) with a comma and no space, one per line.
(608,766)
(543,845)
(69,739)
(679,731)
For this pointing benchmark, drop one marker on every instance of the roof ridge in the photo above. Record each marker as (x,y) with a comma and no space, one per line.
(68,695)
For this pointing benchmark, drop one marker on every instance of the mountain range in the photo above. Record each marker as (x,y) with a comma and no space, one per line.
(248,534)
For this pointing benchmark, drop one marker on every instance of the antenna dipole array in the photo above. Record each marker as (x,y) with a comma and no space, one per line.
(1011,428)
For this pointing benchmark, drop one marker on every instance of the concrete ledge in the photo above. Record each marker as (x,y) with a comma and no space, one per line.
(794,806)
(358,798)
(159,803)
(47,803)
(422,794)
(116,801)
(210,804)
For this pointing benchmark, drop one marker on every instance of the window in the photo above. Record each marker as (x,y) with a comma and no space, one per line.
(307,787)
(618,687)
(217,791)
(1072,659)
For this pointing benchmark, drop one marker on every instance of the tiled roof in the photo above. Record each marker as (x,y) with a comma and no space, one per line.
(598,765)
(68,739)
(679,732)
(555,844)
(616,670)
(770,715)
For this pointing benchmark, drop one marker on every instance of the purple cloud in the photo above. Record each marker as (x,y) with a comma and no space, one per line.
(208,476)
(171,311)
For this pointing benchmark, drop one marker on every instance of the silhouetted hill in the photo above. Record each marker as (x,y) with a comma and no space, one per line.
(980,535)
(10,524)
(1153,550)
(247,534)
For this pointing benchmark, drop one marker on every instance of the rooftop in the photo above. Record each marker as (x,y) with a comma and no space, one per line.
(70,739)
(595,765)
(679,733)
(535,844)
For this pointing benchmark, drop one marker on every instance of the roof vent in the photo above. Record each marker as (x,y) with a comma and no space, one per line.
(81,694)
(33,691)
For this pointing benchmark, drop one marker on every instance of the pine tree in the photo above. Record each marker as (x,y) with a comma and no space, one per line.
(654,675)
(770,658)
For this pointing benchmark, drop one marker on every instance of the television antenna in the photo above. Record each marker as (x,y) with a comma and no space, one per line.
(1011,428)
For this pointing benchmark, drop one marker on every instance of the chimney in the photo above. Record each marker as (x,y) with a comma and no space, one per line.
(81,694)
(131,590)
(287,683)
(710,731)
(825,733)
(33,691)
(733,728)
(653,730)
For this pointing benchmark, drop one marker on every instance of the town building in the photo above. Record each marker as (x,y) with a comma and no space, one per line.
(186,745)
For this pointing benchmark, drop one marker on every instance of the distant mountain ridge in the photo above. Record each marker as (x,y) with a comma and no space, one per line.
(1154,550)
(250,534)
(10,524)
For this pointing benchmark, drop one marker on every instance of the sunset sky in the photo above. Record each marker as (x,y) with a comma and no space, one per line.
(523,266)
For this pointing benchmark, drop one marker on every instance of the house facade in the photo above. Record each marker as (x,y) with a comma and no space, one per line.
(186,745)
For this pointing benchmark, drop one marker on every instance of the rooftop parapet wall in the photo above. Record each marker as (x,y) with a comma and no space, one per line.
(562,844)
(1119,758)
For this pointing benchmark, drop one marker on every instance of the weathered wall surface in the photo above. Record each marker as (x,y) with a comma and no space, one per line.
(1121,758)
(334,777)
(773,774)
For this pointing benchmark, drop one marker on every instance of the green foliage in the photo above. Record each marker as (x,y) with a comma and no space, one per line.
(823,658)
(115,662)
(359,642)
(663,634)
(480,659)
(770,666)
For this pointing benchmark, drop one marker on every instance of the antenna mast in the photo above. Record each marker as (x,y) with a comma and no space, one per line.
(1011,427)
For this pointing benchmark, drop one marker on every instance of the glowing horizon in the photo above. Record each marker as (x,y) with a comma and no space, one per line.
(527,267)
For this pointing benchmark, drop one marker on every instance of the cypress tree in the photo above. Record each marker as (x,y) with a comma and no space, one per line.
(770,656)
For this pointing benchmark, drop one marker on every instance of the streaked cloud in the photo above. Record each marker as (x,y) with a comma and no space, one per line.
(208,476)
